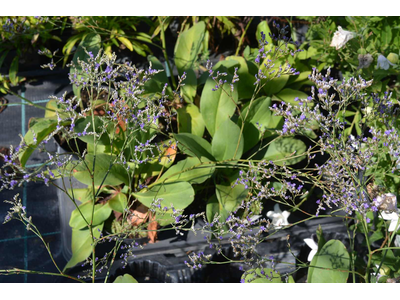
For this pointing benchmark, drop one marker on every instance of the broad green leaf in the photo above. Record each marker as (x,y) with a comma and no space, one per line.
(69,45)
(126,278)
(40,130)
(229,197)
(81,195)
(14,70)
(190,120)
(285,150)
(194,145)
(91,43)
(82,244)
(189,90)
(81,124)
(188,46)
(161,162)
(246,72)
(330,265)
(273,277)
(264,28)
(192,174)
(118,202)
(101,213)
(386,35)
(51,108)
(156,83)
(213,207)
(106,171)
(305,54)
(178,194)
(288,95)
(217,106)
(275,85)
(258,116)
(227,142)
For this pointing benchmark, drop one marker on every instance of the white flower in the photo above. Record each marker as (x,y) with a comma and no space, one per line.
(314,248)
(383,63)
(386,202)
(341,37)
(278,217)
(393,218)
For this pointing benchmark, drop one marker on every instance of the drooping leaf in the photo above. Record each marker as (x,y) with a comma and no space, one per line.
(41,129)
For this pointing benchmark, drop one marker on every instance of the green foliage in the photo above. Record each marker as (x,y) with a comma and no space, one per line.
(126,278)
(330,264)
(267,276)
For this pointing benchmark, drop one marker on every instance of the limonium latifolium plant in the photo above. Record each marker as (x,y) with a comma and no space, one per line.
(259,153)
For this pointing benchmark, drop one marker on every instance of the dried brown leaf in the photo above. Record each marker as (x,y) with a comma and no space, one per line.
(152,229)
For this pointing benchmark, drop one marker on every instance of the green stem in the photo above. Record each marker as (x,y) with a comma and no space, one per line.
(242,37)
(164,49)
